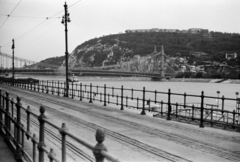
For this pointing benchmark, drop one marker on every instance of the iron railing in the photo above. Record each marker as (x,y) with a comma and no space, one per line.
(15,132)
(203,111)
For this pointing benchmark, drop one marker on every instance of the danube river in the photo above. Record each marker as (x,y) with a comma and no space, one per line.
(192,88)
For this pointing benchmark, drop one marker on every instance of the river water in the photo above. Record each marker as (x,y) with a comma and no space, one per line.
(192,88)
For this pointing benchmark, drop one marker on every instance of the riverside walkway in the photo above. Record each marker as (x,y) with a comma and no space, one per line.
(131,136)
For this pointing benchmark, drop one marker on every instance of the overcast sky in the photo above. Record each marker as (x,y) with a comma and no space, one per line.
(38,38)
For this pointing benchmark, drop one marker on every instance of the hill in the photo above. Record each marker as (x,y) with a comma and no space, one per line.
(113,49)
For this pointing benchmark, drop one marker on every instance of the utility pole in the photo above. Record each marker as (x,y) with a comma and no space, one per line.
(65,20)
(1,58)
(13,46)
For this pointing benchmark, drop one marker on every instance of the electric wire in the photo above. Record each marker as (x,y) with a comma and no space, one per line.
(31,17)
(10,14)
(47,18)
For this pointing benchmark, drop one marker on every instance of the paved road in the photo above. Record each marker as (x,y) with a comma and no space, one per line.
(130,136)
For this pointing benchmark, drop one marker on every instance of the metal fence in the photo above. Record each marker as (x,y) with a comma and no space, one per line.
(203,111)
(15,132)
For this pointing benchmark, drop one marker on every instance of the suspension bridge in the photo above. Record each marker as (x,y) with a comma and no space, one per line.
(155,65)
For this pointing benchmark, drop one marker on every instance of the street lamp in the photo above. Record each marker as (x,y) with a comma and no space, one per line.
(65,20)
(13,46)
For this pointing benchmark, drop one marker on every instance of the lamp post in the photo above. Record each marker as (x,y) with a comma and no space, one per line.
(65,20)
(13,46)
(218,92)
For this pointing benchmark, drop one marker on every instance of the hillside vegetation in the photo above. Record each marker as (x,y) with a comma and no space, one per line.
(113,49)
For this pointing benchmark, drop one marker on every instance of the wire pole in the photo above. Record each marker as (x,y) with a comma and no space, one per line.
(13,46)
(65,20)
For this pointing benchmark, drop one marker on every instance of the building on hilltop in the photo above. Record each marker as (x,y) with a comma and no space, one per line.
(192,30)
(231,56)
(198,31)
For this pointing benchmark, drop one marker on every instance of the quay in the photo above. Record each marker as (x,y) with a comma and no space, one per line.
(130,136)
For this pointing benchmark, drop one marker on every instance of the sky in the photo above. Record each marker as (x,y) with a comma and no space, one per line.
(37,38)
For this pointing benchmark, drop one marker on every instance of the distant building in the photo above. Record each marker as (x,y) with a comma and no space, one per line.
(231,56)
(198,31)
(192,30)
(199,54)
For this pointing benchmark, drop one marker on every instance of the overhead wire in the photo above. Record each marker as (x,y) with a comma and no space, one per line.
(10,14)
(42,22)
(31,17)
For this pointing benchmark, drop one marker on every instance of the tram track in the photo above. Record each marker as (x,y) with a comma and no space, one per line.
(186,141)
(56,137)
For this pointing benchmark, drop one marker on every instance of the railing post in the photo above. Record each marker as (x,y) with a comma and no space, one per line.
(176,110)
(211,116)
(100,137)
(72,90)
(90,101)
(7,126)
(63,131)
(53,87)
(18,152)
(143,103)
(34,141)
(104,102)
(12,103)
(223,103)
(193,112)
(47,86)
(184,104)
(234,113)
(58,88)
(122,98)
(201,117)
(80,91)
(28,111)
(51,155)
(169,105)
(1,107)
(41,143)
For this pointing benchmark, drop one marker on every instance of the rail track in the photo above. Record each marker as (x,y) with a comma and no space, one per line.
(57,138)
(183,140)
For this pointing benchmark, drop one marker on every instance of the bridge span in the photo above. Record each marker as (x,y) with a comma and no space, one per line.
(81,72)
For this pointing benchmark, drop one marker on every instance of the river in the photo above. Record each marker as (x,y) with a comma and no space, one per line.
(194,88)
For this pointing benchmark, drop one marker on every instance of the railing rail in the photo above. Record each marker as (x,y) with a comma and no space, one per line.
(12,117)
(201,109)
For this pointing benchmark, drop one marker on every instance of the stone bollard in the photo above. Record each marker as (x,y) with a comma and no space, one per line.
(100,137)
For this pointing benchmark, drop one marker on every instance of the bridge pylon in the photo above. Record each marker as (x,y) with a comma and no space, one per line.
(162,74)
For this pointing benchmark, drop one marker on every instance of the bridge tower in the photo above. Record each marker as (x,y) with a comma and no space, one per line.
(162,74)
